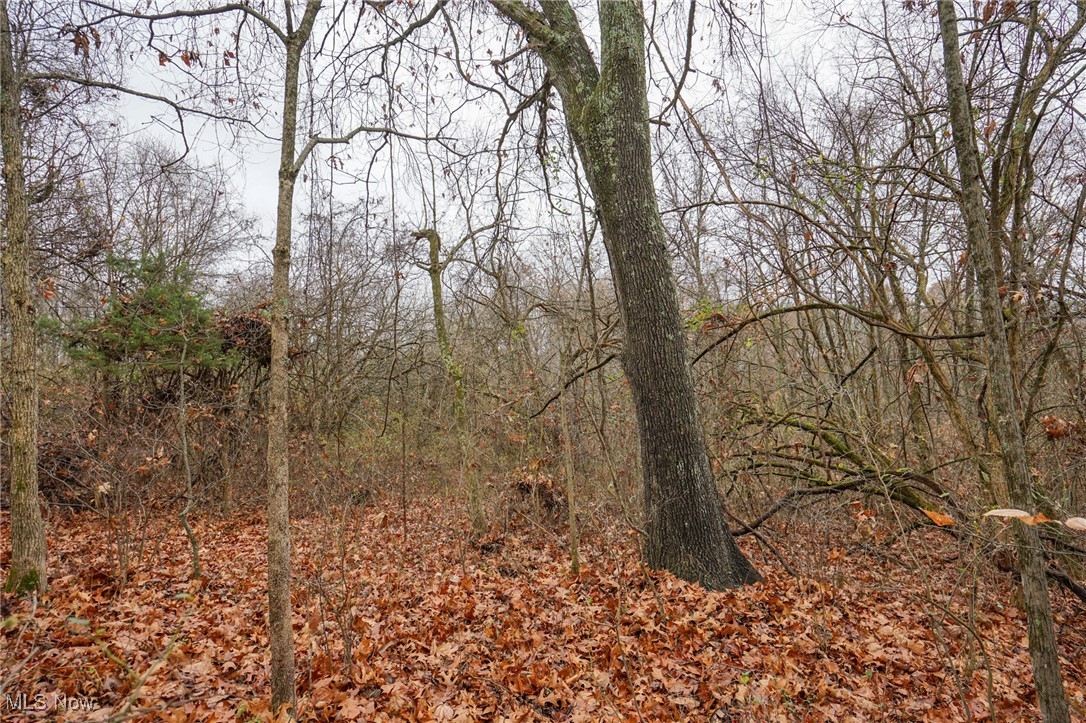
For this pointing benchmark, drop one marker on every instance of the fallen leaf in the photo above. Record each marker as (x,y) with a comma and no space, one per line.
(1077,523)
(938,518)
(1006,513)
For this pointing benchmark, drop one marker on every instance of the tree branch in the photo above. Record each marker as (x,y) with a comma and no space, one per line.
(216,10)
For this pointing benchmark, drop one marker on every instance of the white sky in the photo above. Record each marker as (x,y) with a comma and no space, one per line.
(792,40)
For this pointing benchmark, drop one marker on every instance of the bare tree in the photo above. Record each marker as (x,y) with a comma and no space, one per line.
(293,32)
(28,551)
(454,370)
(1007,422)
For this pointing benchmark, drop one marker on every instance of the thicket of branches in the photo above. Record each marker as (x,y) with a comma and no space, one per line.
(812,203)
(818,246)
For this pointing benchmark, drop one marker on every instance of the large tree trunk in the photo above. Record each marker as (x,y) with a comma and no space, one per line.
(28,553)
(606,110)
(278,452)
(1007,427)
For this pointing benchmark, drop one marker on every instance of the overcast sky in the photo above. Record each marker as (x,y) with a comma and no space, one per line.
(792,38)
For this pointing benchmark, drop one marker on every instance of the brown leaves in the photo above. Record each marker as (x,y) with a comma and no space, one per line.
(916,373)
(81,41)
(188,57)
(442,631)
(1006,9)
(1057,428)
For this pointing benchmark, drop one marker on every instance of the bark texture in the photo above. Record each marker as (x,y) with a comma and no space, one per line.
(28,551)
(1005,418)
(455,372)
(278,452)
(606,110)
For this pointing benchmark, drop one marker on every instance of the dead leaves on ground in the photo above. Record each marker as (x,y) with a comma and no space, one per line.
(441,630)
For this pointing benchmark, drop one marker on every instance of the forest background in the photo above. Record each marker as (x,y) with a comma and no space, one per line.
(484,303)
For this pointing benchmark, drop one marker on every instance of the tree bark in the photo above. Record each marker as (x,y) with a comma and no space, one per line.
(606,110)
(28,549)
(571,480)
(278,452)
(455,373)
(1007,427)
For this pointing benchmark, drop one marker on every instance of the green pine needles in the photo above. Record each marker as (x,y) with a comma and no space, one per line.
(155,323)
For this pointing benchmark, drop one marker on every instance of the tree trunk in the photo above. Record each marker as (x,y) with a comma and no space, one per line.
(455,373)
(571,480)
(606,110)
(28,552)
(278,452)
(186,463)
(1007,427)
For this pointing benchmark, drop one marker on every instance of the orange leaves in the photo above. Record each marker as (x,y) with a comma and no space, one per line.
(441,629)
(1010,513)
(1057,428)
(939,518)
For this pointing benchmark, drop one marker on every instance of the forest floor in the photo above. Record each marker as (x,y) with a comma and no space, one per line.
(404,618)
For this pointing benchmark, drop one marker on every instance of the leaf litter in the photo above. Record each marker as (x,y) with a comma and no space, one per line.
(429,626)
